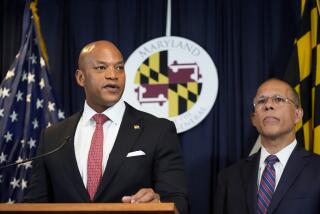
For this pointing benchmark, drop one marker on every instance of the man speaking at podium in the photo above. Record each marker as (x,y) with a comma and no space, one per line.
(116,153)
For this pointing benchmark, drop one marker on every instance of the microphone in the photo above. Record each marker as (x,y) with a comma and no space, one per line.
(37,156)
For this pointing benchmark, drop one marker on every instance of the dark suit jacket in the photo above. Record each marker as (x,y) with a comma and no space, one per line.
(56,178)
(298,190)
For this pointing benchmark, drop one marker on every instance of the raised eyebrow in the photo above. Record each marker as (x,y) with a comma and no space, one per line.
(279,95)
(261,97)
(105,63)
(101,63)
(275,95)
(119,63)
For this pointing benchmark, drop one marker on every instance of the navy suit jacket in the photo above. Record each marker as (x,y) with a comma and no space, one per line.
(298,190)
(56,178)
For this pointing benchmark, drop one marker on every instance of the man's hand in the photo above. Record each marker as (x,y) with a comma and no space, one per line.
(142,196)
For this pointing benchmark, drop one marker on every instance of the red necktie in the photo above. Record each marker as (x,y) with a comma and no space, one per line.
(94,169)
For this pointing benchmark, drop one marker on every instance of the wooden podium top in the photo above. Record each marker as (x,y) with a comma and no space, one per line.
(156,208)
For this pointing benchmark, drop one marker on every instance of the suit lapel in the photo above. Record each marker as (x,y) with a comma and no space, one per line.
(250,177)
(130,129)
(70,162)
(292,169)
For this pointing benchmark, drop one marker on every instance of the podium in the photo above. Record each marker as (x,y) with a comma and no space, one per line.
(88,208)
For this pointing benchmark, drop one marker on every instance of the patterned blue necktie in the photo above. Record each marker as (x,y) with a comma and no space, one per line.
(267,184)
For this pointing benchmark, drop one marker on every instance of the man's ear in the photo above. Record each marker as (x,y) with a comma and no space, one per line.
(80,77)
(252,117)
(298,115)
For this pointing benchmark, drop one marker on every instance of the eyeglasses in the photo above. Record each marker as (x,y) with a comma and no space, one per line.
(277,100)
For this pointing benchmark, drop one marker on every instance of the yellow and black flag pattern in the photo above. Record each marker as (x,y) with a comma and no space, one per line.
(161,84)
(154,70)
(304,74)
(182,97)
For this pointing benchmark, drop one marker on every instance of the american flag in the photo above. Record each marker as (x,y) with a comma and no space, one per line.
(27,105)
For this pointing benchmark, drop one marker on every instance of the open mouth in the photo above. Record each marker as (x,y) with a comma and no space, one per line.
(111,87)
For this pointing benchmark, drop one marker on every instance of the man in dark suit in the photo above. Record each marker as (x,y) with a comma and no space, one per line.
(281,177)
(131,157)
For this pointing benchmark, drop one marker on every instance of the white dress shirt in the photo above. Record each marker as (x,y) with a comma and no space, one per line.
(283,156)
(84,133)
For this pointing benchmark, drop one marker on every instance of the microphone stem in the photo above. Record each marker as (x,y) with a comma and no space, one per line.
(36,157)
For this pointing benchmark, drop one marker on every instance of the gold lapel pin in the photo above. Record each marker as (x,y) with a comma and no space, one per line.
(136,126)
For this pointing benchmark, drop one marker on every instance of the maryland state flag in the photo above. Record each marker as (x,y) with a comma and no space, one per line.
(303,73)
(175,83)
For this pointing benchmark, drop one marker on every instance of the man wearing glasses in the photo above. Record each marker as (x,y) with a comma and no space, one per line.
(282,177)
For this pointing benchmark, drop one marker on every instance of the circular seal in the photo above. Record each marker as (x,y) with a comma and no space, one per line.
(172,77)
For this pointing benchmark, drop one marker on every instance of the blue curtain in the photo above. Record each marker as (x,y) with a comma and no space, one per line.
(249,41)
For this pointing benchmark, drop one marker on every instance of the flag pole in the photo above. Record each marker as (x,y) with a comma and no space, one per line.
(168,19)
(36,19)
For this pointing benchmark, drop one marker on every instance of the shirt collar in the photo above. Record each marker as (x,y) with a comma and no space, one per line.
(114,113)
(283,155)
